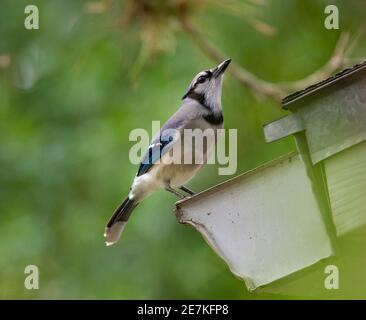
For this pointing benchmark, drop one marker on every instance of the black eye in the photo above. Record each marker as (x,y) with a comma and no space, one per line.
(201,79)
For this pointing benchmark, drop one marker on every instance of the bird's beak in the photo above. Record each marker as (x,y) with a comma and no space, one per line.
(220,69)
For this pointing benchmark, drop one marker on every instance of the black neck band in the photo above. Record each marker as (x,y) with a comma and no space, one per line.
(211,118)
(198,97)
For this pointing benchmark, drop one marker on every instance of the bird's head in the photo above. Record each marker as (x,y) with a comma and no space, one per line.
(206,85)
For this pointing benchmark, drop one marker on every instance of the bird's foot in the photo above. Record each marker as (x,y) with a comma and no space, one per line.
(185,189)
(175,192)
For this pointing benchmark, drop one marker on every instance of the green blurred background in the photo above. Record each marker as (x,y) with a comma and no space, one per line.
(71,92)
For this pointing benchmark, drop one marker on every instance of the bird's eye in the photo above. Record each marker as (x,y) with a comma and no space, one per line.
(201,79)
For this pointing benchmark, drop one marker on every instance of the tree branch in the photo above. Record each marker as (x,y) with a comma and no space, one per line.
(255,84)
(336,62)
(263,88)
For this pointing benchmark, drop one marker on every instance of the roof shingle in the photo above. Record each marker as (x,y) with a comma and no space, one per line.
(324,83)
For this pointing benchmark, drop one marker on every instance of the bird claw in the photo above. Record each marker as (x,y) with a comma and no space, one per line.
(175,192)
(189,191)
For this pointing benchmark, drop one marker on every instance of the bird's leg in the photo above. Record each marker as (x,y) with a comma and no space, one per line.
(170,189)
(185,189)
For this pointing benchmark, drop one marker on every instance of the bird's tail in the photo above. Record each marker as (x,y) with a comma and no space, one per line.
(117,222)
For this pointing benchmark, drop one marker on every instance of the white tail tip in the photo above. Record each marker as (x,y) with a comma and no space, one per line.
(112,234)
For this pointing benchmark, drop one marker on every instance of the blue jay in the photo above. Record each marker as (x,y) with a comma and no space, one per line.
(201,109)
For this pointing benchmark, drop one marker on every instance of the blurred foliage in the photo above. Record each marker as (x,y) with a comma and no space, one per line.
(71,92)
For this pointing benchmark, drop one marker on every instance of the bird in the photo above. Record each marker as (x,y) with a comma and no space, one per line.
(201,108)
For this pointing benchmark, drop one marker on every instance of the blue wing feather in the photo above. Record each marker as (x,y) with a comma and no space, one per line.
(160,145)
(154,153)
